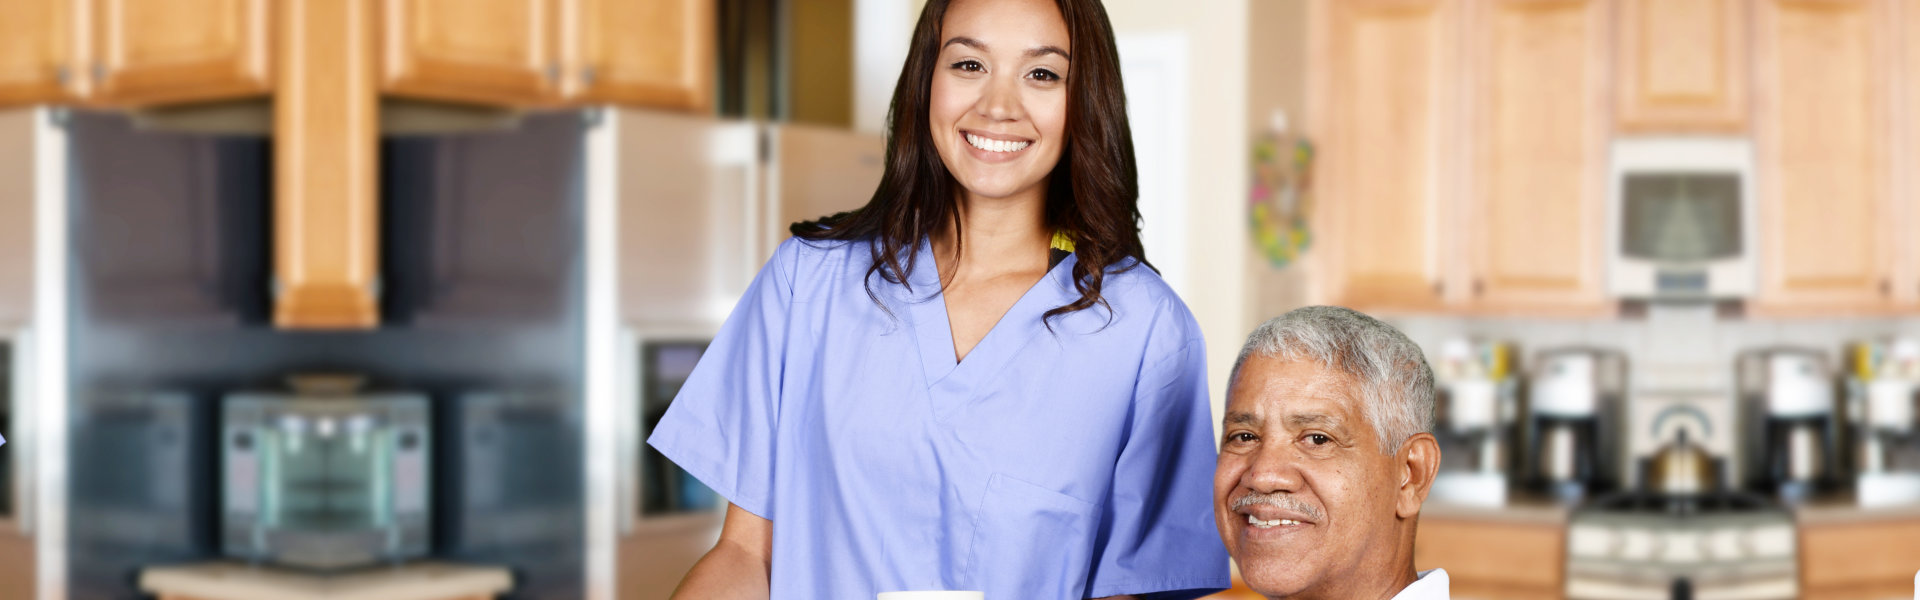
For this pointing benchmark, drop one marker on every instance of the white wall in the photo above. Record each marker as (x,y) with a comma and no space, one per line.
(1213,271)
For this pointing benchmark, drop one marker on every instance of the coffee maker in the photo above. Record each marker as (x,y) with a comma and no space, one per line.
(1790,424)
(1883,388)
(1474,414)
(1572,422)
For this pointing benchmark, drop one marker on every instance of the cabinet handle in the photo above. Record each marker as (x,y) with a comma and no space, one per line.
(553,73)
(99,73)
(62,76)
(587,75)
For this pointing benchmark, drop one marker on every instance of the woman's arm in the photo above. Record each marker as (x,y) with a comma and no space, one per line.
(737,566)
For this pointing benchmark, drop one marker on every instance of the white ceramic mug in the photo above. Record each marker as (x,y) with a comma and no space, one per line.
(933,596)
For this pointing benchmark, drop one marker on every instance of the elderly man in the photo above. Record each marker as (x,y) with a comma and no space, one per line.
(1326,457)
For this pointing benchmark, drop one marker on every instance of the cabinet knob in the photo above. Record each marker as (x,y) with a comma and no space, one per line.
(1886,286)
(1479,286)
(1439,288)
(553,73)
(587,75)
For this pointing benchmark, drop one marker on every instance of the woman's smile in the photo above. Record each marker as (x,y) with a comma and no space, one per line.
(995,148)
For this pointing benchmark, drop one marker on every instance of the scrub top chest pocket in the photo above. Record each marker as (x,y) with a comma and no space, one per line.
(1025,536)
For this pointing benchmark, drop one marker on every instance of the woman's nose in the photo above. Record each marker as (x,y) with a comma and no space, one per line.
(1000,101)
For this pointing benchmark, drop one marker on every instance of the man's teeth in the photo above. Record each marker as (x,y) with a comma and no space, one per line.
(993,145)
(1266,524)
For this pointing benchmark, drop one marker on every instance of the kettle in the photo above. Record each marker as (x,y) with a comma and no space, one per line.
(1681,468)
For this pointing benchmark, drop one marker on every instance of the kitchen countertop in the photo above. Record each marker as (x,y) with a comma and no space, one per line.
(237,581)
(1841,508)
(1519,509)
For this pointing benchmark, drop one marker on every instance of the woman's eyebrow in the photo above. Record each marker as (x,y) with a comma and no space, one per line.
(1030,53)
(1036,52)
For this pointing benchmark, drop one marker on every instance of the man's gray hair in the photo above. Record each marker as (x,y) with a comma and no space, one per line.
(1396,385)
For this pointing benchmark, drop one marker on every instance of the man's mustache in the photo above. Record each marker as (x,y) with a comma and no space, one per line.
(1283,501)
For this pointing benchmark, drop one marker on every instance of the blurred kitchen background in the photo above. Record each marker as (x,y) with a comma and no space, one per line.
(379,298)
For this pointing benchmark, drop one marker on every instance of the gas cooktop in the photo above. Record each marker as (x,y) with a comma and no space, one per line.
(1645,545)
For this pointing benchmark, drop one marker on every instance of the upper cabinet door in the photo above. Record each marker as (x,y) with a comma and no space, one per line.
(1536,207)
(475,51)
(1387,84)
(180,50)
(1822,101)
(36,50)
(1682,66)
(656,53)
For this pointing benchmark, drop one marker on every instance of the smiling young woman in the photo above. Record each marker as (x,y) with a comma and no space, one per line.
(974,382)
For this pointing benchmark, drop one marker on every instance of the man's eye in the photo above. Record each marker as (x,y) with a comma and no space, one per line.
(1242,437)
(969,66)
(1319,439)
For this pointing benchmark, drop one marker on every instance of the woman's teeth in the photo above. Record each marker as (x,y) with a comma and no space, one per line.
(993,145)
(1269,524)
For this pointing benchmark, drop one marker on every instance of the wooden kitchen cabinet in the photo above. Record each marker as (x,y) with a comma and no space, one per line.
(1681,66)
(476,51)
(36,51)
(179,51)
(648,53)
(1822,103)
(656,53)
(1388,85)
(1861,560)
(1494,558)
(1536,205)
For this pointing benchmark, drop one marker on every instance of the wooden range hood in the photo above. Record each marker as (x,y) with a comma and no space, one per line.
(326,188)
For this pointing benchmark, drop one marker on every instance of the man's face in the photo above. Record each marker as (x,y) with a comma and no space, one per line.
(1300,460)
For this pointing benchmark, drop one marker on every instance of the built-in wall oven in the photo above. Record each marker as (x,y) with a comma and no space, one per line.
(1681,219)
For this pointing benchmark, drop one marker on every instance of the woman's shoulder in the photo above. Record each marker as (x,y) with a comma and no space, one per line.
(1143,300)
(810,260)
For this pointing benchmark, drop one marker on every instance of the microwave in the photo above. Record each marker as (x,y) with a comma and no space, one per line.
(325,479)
(1681,223)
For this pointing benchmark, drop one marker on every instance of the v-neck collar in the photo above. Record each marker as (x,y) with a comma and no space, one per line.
(934,332)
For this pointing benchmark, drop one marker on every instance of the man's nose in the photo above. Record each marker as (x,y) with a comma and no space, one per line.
(1275,468)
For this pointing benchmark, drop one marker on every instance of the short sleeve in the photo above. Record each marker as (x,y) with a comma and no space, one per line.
(1157,538)
(720,427)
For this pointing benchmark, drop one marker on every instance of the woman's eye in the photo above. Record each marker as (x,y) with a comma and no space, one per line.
(969,66)
(1045,75)
(1319,439)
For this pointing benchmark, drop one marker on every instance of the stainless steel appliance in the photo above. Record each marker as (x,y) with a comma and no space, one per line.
(1681,219)
(326,477)
(1646,545)
(1883,399)
(1790,422)
(1572,422)
(1475,415)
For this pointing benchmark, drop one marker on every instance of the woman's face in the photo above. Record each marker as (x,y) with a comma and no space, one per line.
(999,103)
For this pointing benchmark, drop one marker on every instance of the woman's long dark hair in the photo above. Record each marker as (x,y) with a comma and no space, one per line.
(1092,194)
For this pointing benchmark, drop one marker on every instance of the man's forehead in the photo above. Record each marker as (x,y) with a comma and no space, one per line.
(1271,388)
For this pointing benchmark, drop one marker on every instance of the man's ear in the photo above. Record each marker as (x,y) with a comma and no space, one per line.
(1418,462)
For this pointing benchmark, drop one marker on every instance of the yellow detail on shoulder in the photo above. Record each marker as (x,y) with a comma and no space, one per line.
(1062,241)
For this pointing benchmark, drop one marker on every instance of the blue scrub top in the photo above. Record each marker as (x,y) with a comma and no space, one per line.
(1076,463)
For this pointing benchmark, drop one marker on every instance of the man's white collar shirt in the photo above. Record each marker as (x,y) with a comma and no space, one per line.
(1432,585)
